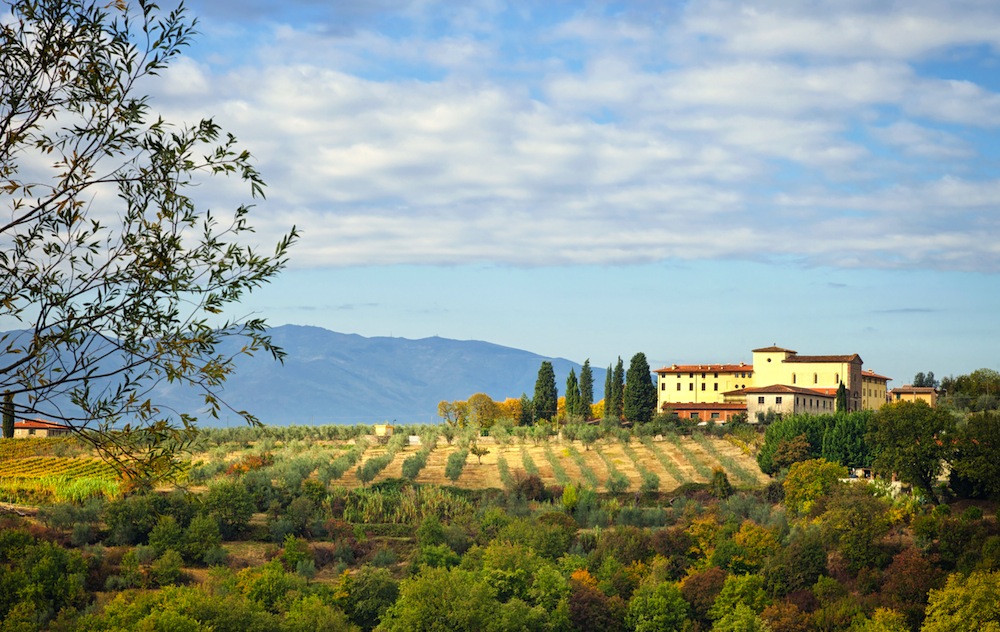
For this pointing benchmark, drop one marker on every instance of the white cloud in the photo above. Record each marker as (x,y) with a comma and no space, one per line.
(843,29)
(807,133)
(921,141)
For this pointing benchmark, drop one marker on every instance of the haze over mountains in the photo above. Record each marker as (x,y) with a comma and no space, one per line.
(329,377)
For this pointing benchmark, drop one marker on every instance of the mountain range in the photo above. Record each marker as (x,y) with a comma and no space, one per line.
(335,378)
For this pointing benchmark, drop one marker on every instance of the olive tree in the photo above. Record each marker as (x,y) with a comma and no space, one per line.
(113,278)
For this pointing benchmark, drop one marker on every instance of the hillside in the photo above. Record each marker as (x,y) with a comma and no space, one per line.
(329,377)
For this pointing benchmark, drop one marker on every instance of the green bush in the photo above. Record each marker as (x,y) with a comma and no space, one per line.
(617,483)
(456,463)
(650,482)
(166,570)
(413,464)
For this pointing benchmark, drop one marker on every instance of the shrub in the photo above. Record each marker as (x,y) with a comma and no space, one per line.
(216,556)
(720,487)
(296,550)
(528,486)
(166,570)
(201,536)
(384,557)
(650,482)
(456,463)
(167,534)
(413,464)
(231,505)
(618,483)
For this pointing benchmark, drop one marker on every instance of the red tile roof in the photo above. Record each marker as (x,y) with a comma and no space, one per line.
(702,368)
(773,349)
(824,358)
(39,424)
(867,373)
(703,406)
(783,388)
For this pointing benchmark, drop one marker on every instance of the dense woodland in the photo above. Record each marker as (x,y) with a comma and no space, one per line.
(260,534)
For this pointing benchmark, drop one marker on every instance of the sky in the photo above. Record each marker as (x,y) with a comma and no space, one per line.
(691,180)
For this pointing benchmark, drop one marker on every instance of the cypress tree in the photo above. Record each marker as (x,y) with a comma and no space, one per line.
(527,417)
(546,401)
(586,389)
(608,391)
(572,395)
(618,391)
(640,393)
(841,398)
(8,415)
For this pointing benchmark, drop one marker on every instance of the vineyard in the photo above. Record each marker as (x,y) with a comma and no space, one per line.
(31,473)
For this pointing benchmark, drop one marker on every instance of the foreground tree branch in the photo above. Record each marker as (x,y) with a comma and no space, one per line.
(112,278)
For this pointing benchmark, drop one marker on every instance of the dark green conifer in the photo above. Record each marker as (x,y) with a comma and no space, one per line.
(546,401)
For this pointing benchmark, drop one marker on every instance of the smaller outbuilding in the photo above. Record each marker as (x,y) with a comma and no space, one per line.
(789,400)
(910,393)
(39,428)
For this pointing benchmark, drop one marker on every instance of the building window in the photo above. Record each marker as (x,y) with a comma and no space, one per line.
(678,386)
(815,378)
(691,386)
(777,400)
(715,415)
(663,386)
(31,431)
(702,386)
(715,375)
(703,376)
(691,375)
(760,400)
(793,378)
(836,378)
(694,416)
(715,386)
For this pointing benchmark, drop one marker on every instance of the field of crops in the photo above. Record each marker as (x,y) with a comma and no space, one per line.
(661,464)
(31,472)
(675,462)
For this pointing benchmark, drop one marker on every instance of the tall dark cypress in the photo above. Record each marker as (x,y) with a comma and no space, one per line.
(572,395)
(546,401)
(640,393)
(586,389)
(527,411)
(841,398)
(8,415)
(618,391)
(609,392)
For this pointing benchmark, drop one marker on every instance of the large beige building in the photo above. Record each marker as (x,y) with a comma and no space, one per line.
(701,383)
(814,380)
(774,365)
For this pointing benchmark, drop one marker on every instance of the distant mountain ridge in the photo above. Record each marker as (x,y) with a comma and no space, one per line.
(335,378)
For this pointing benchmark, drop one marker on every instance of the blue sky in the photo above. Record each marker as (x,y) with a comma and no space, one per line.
(591,179)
